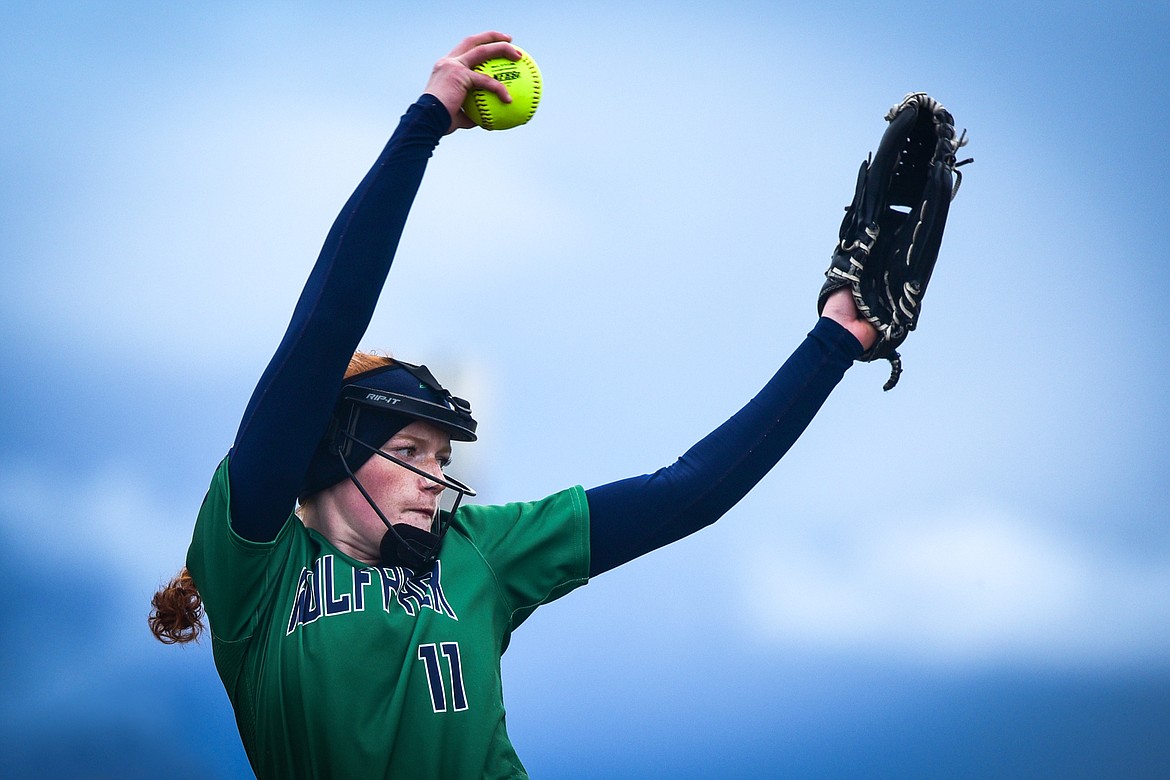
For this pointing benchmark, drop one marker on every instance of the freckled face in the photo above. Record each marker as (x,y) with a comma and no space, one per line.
(404,497)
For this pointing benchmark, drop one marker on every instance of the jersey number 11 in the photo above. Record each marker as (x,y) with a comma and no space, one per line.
(429,655)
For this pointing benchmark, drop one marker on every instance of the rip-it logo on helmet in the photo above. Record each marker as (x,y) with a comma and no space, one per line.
(370,409)
(379,398)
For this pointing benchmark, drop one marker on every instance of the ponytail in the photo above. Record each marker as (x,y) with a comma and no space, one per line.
(176,615)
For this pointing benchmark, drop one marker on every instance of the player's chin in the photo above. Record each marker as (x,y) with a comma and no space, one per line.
(419,518)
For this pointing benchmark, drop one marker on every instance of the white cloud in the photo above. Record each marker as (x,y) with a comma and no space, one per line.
(971,586)
(106,523)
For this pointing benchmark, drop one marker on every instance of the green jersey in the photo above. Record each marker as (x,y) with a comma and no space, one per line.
(338,668)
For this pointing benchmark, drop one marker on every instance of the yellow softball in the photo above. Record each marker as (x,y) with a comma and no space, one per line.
(522,78)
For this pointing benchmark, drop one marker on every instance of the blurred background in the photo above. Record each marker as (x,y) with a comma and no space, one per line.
(966,577)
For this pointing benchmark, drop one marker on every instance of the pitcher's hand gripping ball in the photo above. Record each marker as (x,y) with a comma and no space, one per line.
(522,78)
(890,237)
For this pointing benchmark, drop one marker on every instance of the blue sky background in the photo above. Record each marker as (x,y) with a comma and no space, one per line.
(966,577)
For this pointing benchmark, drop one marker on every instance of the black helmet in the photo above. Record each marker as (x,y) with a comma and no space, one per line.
(370,409)
(375,405)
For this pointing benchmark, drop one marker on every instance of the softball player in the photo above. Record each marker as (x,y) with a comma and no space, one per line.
(363,636)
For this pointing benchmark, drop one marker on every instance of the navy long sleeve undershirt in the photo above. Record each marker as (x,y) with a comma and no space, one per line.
(634,516)
(290,407)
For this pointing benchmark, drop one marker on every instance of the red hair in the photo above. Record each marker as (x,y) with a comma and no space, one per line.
(361,362)
(176,615)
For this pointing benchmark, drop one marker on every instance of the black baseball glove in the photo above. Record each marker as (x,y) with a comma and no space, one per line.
(892,231)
